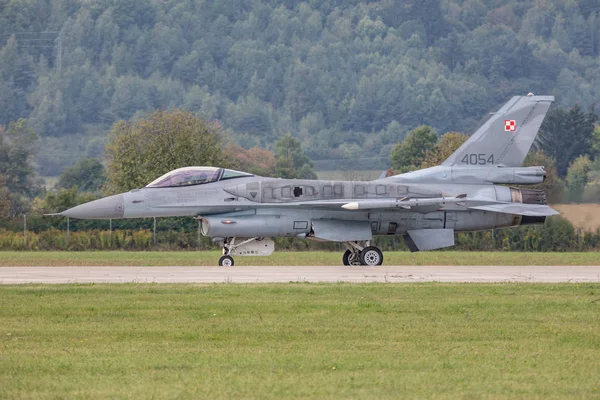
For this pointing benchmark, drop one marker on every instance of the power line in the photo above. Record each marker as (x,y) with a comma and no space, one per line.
(59,55)
(39,43)
(36,39)
(25,46)
(28,33)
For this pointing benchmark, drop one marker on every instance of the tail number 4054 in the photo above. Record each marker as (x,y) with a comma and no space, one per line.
(478,159)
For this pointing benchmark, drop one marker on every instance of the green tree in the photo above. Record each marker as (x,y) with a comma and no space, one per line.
(5,203)
(577,178)
(553,185)
(87,175)
(411,153)
(58,201)
(139,152)
(131,94)
(291,161)
(566,135)
(429,13)
(596,142)
(253,117)
(254,160)
(49,115)
(17,147)
(446,145)
(16,80)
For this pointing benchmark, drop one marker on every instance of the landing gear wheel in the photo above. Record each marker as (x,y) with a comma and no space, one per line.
(345,258)
(371,256)
(351,258)
(226,261)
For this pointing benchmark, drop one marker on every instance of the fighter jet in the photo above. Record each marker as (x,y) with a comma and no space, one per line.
(467,192)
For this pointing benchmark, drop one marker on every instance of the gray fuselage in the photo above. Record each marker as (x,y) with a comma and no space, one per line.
(262,199)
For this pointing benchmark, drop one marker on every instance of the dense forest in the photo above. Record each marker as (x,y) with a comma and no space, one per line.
(348,78)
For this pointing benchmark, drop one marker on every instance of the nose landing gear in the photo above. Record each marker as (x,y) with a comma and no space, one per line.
(226,261)
(256,246)
(360,255)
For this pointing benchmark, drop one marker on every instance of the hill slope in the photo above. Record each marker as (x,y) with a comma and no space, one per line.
(348,77)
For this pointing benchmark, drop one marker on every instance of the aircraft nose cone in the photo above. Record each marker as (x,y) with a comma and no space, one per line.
(106,208)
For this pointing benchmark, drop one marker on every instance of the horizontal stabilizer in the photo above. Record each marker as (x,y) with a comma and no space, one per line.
(530,210)
(429,239)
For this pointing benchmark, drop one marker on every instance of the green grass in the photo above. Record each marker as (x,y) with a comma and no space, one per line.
(207,258)
(300,341)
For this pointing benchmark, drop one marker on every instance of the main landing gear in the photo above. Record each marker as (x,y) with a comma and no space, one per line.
(359,255)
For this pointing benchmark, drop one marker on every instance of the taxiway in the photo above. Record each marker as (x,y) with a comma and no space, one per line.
(275,274)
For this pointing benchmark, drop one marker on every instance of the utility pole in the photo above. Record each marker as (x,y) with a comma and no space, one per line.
(199,230)
(59,54)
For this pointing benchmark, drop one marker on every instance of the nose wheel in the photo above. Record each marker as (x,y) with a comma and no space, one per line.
(226,261)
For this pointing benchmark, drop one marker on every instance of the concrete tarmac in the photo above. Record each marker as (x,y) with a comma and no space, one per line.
(244,274)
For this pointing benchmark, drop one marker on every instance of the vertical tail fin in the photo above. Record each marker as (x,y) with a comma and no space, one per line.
(505,138)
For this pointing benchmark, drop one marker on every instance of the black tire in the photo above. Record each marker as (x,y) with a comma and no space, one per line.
(226,261)
(371,256)
(347,259)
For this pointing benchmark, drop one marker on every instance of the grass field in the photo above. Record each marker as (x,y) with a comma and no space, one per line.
(582,216)
(300,341)
(208,258)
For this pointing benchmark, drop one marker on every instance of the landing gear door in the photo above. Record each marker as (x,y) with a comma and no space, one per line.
(337,230)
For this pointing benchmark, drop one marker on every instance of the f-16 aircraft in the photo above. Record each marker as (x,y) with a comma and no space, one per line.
(467,192)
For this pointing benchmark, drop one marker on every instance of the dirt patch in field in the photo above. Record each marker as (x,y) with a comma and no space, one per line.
(582,216)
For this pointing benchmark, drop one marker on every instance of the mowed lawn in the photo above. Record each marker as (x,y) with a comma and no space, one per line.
(370,341)
(208,258)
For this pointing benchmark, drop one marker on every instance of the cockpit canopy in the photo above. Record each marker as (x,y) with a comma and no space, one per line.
(195,176)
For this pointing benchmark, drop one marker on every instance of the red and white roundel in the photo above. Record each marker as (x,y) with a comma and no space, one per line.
(510,125)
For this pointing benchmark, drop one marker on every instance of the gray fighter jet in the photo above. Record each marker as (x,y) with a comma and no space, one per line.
(467,192)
